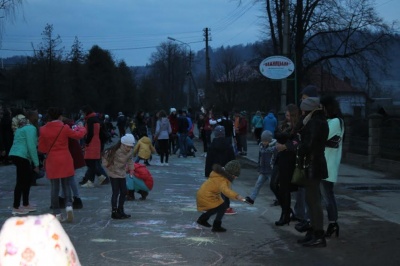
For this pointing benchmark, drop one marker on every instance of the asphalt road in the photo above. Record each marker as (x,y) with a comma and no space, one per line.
(162,229)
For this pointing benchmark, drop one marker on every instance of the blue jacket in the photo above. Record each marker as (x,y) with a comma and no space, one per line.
(25,144)
(270,122)
(266,157)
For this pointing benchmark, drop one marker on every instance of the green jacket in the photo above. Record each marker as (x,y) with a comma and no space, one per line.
(25,144)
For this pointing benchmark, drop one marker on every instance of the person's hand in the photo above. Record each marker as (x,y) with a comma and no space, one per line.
(280,147)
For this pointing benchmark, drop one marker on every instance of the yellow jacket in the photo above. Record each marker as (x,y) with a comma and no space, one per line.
(209,194)
(144,148)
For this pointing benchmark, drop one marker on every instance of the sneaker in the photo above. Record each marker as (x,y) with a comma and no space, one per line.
(70,214)
(83,181)
(88,184)
(101,179)
(166,164)
(249,200)
(230,211)
(60,218)
(28,208)
(19,211)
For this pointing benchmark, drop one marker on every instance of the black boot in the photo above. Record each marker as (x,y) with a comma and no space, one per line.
(203,220)
(143,194)
(333,228)
(77,203)
(122,213)
(217,227)
(284,219)
(303,226)
(307,238)
(130,195)
(317,241)
(115,214)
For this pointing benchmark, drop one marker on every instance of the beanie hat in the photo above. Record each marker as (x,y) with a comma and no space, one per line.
(310,91)
(219,132)
(172,110)
(120,113)
(233,167)
(36,240)
(309,104)
(128,140)
(266,136)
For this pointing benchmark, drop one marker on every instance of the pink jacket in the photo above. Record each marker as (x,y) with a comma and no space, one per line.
(59,163)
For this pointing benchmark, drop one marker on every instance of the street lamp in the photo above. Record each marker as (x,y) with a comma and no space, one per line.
(189,73)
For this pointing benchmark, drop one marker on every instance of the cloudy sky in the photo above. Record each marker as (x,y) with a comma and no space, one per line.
(132,29)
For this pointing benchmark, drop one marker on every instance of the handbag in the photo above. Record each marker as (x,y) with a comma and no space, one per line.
(333,142)
(299,175)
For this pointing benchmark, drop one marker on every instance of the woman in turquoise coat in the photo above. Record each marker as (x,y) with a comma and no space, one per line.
(333,155)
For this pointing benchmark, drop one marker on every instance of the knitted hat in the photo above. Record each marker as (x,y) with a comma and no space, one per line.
(36,240)
(310,91)
(120,113)
(266,136)
(172,110)
(243,113)
(233,167)
(309,104)
(219,132)
(128,140)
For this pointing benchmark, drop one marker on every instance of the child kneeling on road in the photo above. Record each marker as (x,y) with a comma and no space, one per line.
(141,182)
(115,160)
(209,197)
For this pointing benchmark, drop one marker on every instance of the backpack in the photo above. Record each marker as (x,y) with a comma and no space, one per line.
(104,135)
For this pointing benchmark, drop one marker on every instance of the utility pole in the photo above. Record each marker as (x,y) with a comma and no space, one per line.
(285,51)
(207,38)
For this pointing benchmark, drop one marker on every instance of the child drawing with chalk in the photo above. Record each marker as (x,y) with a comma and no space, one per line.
(117,160)
(209,197)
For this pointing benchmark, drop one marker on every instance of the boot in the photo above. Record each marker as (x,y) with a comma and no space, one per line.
(284,219)
(203,220)
(333,228)
(307,238)
(317,241)
(143,194)
(77,203)
(217,227)
(303,226)
(115,214)
(130,195)
(122,214)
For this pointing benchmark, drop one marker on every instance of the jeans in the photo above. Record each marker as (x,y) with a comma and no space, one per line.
(301,208)
(73,186)
(313,200)
(329,199)
(220,211)
(55,191)
(183,144)
(119,190)
(262,178)
(23,184)
(99,169)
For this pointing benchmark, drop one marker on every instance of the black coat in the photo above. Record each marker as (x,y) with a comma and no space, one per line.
(220,152)
(313,137)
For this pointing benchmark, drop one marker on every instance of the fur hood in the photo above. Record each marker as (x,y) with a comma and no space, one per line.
(221,171)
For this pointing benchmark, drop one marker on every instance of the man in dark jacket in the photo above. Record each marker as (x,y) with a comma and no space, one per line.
(183,129)
(121,124)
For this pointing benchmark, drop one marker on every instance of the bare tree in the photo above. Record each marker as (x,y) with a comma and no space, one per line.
(335,36)
(8,9)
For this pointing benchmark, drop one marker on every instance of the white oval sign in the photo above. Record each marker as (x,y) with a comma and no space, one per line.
(276,67)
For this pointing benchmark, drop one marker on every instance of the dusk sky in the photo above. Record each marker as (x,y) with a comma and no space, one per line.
(132,29)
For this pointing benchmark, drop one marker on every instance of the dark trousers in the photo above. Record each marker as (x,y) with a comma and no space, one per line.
(257,133)
(91,169)
(163,150)
(328,197)
(119,190)
(121,130)
(220,211)
(24,180)
(313,200)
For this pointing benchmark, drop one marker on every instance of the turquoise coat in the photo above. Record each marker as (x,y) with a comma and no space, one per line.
(334,155)
(25,144)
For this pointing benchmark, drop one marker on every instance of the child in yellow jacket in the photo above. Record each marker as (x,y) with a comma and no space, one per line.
(209,197)
(143,150)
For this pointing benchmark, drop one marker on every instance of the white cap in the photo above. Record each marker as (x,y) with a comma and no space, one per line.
(107,116)
(128,140)
(172,110)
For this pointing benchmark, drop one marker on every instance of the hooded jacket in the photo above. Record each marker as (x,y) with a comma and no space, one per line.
(270,122)
(209,194)
(122,161)
(163,128)
(144,148)
(220,152)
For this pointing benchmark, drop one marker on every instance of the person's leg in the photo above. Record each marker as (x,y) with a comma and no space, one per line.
(329,199)
(244,143)
(74,187)
(27,182)
(19,185)
(115,192)
(91,169)
(300,207)
(66,190)
(55,191)
(260,182)
(274,183)
(122,192)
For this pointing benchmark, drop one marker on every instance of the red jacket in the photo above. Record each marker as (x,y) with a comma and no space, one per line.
(93,143)
(59,163)
(173,120)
